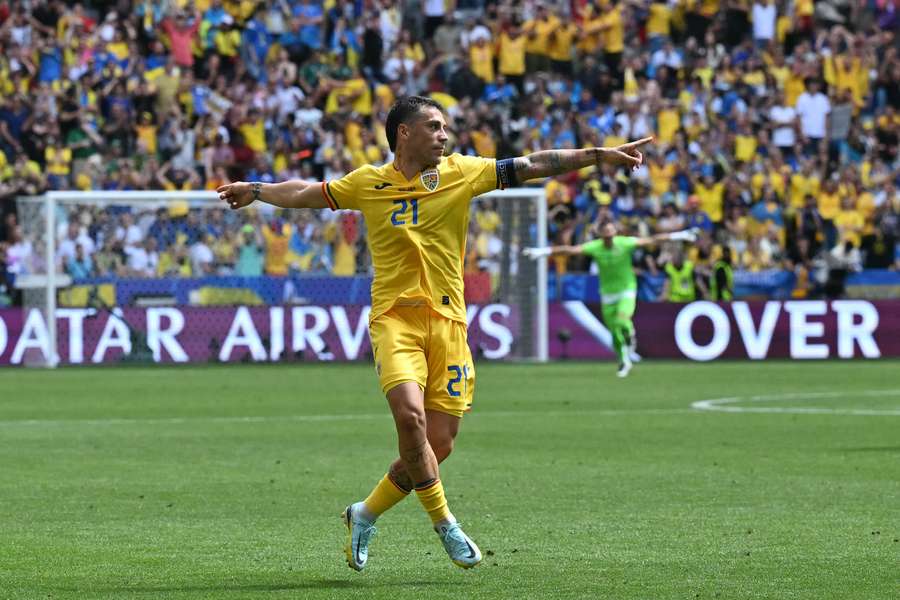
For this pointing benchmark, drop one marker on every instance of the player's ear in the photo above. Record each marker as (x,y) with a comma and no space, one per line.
(402,130)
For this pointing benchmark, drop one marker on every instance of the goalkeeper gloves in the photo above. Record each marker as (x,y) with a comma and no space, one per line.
(536,253)
(687,235)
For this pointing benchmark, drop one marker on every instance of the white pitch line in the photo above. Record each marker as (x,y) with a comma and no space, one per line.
(722,404)
(324,418)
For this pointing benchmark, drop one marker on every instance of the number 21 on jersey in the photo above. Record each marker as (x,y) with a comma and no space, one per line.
(400,217)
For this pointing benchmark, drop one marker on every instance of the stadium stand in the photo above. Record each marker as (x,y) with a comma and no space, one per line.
(776,124)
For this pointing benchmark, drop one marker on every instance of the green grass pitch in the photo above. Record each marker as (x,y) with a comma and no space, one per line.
(227,482)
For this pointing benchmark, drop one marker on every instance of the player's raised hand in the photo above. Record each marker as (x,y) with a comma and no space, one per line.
(628,155)
(536,253)
(237,194)
(686,235)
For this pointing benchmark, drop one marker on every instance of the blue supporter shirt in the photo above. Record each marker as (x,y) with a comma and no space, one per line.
(310,35)
(50,66)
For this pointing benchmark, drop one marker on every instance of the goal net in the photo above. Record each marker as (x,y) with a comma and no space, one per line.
(156,276)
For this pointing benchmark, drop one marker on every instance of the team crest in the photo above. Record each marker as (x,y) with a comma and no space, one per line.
(430,179)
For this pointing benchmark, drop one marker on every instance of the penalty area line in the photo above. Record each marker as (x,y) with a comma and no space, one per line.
(726,404)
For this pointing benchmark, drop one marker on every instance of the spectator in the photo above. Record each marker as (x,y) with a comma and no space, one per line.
(79,266)
(250,254)
(813,107)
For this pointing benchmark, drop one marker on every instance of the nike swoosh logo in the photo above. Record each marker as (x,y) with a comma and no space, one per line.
(471,550)
(381,186)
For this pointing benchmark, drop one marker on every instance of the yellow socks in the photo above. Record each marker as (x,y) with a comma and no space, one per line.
(431,495)
(385,495)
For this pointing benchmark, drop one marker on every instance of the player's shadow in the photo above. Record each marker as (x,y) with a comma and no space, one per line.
(889,449)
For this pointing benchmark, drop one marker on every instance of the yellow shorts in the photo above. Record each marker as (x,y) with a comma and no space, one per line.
(415,343)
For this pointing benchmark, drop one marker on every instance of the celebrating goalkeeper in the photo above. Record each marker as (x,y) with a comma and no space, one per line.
(618,284)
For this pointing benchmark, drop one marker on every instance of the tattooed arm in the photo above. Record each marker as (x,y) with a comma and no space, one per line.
(547,163)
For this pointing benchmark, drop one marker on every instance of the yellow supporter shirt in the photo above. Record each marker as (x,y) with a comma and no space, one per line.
(706,75)
(614,36)
(353,135)
(416,228)
(591,37)
(344,257)
(58,163)
(865,204)
(611,141)
(850,223)
(227,42)
(802,186)
(793,87)
(560,43)
(512,55)
(779,74)
(661,178)
(658,19)
(778,181)
(482,61)
(709,8)
(539,43)
(414,52)
(829,204)
(557,192)
(277,249)
(147,135)
(118,49)
(711,200)
(255,135)
(668,122)
(488,220)
(362,104)
(484,144)
(384,94)
(744,147)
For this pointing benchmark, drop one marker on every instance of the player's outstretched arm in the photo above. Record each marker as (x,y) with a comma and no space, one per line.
(294,193)
(685,235)
(547,163)
(535,253)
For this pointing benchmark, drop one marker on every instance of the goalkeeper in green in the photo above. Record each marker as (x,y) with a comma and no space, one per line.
(618,284)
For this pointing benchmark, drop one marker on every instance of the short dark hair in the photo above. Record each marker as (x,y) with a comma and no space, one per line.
(403,110)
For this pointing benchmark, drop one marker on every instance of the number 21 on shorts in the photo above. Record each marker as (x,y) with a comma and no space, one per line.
(457,373)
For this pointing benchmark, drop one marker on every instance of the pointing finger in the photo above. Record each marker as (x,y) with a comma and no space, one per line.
(637,143)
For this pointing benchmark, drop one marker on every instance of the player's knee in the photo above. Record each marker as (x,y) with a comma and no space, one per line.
(410,421)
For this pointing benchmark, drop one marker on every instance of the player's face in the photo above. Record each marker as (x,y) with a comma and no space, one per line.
(428,136)
(608,231)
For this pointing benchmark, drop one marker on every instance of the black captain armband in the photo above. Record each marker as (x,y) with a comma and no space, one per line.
(506,173)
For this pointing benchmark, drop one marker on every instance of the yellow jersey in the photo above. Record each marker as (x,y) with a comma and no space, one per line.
(658,19)
(560,42)
(416,228)
(512,55)
(614,35)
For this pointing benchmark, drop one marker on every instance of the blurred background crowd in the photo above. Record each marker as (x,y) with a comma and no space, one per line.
(776,123)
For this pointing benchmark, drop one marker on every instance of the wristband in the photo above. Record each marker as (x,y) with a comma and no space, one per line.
(255,189)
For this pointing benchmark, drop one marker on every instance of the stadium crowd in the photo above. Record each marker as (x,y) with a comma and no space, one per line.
(776,122)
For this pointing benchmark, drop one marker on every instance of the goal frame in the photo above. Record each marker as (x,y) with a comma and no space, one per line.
(53,281)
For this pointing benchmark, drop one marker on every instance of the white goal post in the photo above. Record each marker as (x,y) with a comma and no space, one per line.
(519,284)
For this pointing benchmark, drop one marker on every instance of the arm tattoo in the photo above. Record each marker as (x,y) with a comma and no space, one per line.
(547,163)
(555,162)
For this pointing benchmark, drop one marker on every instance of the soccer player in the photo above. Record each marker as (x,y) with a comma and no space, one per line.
(417,215)
(618,284)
